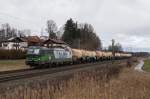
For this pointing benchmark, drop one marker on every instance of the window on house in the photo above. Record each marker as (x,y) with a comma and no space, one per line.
(16,45)
(5,44)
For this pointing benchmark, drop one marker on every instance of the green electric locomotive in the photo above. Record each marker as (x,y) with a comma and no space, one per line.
(43,56)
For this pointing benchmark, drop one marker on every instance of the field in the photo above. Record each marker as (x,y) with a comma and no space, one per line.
(106,83)
(6,65)
(147,65)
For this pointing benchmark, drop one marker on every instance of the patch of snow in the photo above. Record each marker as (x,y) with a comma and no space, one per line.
(139,66)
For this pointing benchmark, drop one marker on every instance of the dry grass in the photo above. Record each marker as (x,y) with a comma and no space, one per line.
(131,85)
(98,84)
(147,65)
(6,65)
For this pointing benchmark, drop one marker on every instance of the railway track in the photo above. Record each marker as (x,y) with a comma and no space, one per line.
(29,73)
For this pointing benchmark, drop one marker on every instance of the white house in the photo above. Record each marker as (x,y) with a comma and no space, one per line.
(15,43)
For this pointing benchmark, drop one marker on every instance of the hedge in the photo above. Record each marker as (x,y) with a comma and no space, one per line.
(12,54)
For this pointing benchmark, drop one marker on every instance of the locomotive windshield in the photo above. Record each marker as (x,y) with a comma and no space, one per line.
(33,51)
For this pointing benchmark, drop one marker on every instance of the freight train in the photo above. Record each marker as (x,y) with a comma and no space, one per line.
(40,56)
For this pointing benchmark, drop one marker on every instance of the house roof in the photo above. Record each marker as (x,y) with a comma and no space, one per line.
(54,41)
(16,39)
(44,37)
(34,39)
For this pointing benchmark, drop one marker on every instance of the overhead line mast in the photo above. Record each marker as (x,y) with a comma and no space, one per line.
(113,49)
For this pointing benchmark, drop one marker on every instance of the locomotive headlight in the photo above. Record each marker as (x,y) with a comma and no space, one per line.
(49,57)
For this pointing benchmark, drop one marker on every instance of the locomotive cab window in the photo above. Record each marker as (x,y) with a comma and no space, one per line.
(33,51)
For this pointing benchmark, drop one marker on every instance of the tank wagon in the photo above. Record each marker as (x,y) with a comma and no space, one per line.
(43,56)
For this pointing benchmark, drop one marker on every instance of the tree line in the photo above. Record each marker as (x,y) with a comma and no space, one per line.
(6,32)
(75,34)
(117,47)
(79,35)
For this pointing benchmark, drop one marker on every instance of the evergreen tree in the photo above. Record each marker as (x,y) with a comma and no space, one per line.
(81,36)
(70,33)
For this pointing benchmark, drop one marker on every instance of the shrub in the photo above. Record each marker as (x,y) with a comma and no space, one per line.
(12,54)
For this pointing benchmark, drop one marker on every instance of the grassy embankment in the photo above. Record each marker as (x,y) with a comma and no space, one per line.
(12,64)
(105,83)
(147,65)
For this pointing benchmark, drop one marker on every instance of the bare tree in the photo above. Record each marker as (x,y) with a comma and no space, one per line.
(8,31)
(60,31)
(24,33)
(51,29)
(115,47)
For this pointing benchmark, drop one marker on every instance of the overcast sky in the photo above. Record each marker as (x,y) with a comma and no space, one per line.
(127,21)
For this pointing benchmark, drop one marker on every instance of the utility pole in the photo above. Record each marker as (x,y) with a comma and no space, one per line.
(42,32)
(79,45)
(113,50)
